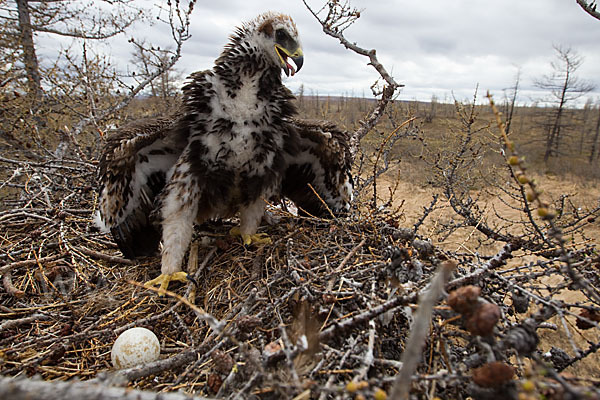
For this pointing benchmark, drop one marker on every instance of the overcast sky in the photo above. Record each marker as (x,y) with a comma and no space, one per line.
(433,47)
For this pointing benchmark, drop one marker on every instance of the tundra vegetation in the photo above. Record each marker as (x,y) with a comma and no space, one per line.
(468,267)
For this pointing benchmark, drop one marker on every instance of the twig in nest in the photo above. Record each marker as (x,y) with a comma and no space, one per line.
(13,323)
(29,389)
(345,261)
(105,257)
(368,359)
(202,315)
(10,288)
(154,368)
(32,262)
(194,269)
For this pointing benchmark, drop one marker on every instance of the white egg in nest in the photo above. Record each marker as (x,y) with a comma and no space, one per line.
(135,346)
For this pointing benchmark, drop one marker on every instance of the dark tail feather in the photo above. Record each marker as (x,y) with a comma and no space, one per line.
(137,239)
(138,235)
(295,187)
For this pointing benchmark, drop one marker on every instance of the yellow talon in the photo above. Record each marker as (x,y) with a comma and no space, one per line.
(164,279)
(257,238)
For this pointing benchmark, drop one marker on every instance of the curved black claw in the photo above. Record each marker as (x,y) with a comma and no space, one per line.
(189,277)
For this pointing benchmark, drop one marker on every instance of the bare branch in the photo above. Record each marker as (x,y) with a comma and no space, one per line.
(339,17)
(30,389)
(419,330)
(589,8)
(83,35)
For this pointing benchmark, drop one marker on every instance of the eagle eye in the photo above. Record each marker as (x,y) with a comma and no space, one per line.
(281,35)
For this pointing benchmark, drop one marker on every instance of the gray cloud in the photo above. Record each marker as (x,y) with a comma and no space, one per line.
(452,46)
(434,47)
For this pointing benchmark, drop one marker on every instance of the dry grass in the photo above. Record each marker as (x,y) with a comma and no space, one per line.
(528,130)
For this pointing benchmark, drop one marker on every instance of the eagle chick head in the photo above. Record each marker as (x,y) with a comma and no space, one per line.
(277,37)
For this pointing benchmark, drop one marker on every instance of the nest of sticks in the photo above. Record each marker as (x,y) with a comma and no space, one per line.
(339,308)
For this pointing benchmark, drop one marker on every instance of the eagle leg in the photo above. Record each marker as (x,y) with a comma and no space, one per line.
(164,279)
(250,217)
(179,208)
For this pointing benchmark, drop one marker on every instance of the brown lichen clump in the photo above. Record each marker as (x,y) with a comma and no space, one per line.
(463,300)
(480,317)
(483,320)
(493,374)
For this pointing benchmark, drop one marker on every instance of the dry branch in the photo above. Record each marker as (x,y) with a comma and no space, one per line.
(29,263)
(339,17)
(589,8)
(419,330)
(30,389)
(156,367)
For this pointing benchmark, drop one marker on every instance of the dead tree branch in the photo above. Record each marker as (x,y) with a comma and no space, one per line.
(419,330)
(589,7)
(31,389)
(340,15)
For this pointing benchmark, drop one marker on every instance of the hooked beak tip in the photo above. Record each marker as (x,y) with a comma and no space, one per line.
(299,61)
(297,57)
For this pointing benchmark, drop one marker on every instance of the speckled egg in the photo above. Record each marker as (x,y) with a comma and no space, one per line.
(135,346)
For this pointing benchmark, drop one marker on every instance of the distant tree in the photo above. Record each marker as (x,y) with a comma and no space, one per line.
(564,87)
(595,144)
(77,19)
(430,115)
(585,117)
(150,59)
(511,100)
(363,102)
(300,94)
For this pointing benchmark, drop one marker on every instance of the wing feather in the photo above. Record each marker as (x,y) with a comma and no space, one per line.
(324,161)
(133,170)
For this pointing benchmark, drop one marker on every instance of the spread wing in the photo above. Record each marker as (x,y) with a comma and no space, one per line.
(329,142)
(324,162)
(133,170)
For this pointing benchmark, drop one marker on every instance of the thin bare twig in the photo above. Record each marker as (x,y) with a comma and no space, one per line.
(419,329)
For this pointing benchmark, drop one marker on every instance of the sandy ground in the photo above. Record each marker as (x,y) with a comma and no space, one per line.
(586,195)
(412,199)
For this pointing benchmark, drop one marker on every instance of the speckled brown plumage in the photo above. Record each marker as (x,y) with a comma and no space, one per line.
(321,160)
(132,172)
(324,161)
(223,153)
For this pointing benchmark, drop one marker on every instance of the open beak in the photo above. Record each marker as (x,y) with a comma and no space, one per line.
(297,57)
